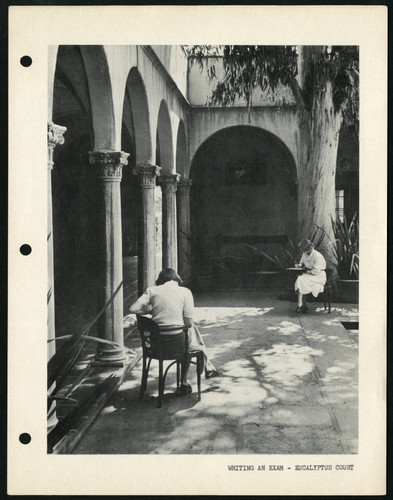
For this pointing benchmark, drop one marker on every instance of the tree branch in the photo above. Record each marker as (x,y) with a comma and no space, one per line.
(297,92)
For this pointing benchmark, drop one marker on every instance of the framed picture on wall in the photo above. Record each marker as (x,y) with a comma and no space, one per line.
(245,173)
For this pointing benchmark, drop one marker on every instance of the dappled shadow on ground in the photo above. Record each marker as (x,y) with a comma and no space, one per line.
(210,317)
(285,364)
(338,368)
(323,337)
(285,328)
(341,381)
(348,311)
(271,397)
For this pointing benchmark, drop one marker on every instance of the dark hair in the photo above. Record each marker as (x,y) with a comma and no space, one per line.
(168,275)
(306,245)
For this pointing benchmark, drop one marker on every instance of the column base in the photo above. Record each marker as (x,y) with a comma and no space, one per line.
(113,357)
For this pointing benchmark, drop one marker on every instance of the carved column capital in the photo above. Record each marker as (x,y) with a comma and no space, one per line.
(147,175)
(110,164)
(55,133)
(183,186)
(55,136)
(168,182)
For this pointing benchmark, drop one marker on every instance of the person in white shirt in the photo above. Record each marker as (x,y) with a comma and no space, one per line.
(172,305)
(313,278)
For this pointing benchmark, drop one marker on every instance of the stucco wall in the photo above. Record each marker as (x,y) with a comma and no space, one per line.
(175,62)
(200,86)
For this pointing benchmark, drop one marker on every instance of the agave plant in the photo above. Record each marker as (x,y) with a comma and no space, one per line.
(206,251)
(345,248)
(289,254)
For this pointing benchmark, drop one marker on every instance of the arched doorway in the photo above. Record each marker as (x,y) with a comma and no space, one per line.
(243,199)
(75,183)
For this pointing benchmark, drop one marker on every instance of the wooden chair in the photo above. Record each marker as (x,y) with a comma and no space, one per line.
(166,344)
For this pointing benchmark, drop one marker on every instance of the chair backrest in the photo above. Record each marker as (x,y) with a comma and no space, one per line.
(144,327)
(167,342)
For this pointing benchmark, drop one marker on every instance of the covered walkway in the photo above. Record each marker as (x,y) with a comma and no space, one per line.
(288,385)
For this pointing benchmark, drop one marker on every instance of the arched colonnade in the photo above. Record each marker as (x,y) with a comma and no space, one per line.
(118,135)
(112,138)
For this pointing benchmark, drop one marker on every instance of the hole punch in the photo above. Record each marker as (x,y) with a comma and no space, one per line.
(26,61)
(25,438)
(25,249)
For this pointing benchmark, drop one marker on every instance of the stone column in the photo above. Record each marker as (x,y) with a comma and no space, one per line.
(146,225)
(169,233)
(109,246)
(55,136)
(183,229)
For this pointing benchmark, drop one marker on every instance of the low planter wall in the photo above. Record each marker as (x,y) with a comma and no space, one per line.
(348,291)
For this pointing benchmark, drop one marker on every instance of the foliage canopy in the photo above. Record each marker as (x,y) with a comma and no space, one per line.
(251,67)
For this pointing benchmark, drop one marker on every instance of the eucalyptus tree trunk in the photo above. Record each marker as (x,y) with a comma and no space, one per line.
(319,134)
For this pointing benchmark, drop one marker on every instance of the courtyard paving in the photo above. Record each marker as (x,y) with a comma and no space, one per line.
(289,385)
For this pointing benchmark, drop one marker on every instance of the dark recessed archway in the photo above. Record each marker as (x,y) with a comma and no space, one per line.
(75,185)
(135,100)
(243,195)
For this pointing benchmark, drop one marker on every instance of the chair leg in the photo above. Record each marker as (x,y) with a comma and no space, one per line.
(160,382)
(324,300)
(177,374)
(199,371)
(330,299)
(184,368)
(144,378)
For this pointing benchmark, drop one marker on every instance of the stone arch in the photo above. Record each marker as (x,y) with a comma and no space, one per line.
(52,59)
(129,186)
(136,141)
(71,89)
(135,94)
(181,151)
(164,144)
(243,193)
(269,137)
(100,93)
(183,204)
(283,124)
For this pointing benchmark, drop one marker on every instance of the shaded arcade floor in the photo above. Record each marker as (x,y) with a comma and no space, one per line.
(288,385)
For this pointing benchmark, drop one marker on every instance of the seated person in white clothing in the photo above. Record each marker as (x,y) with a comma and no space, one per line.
(313,278)
(172,305)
